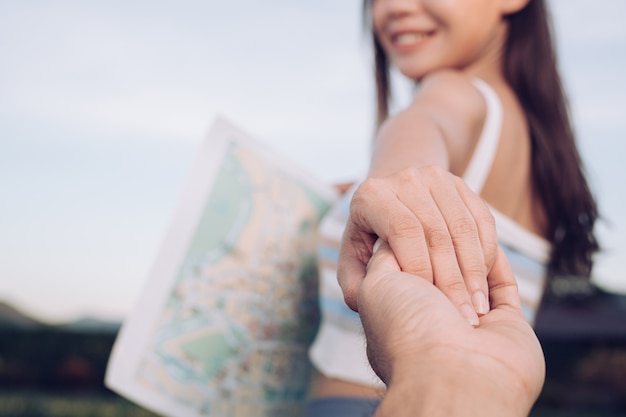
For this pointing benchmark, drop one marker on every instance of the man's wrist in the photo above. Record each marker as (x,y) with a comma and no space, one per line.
(450,387)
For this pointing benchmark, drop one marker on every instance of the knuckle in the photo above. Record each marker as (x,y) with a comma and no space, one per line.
(366,187)
(404,226)
(475,269)
(358,198)
(438,240)
(452,286)
(419,266)
(462,185)
(367,193)
(463,227)
(459,182)
(490,245)
(485,217)
(423,176)
(490,249)
(436,172)
(409,173)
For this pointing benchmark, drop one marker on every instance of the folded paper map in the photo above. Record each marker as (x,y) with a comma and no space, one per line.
(226,316)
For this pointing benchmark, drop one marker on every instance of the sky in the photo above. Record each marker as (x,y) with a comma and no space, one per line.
(103,106)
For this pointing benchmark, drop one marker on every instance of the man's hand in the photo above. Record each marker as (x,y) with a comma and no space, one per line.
(433,361)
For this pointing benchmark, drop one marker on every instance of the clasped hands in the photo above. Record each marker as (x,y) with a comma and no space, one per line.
(435,225)
(439,349)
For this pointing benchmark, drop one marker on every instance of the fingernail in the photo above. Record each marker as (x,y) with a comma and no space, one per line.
(469,314)
(377,245)
(480,302)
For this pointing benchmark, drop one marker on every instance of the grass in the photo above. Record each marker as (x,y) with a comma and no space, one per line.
(39,404)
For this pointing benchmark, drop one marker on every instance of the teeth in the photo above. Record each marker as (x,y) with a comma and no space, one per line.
(408,38)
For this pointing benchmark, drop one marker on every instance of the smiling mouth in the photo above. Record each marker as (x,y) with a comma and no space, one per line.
(405,39)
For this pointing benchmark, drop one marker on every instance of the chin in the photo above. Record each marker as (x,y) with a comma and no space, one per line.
(416,71)
(413,74)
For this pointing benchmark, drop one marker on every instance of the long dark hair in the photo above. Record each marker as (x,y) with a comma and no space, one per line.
(558,179)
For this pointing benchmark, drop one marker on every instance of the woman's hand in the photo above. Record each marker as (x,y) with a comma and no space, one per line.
(437,228)
(434,360)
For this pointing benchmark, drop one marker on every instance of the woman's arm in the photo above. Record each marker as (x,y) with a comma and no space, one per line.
(414,200)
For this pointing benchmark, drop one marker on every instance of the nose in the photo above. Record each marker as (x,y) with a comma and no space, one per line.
(400,7)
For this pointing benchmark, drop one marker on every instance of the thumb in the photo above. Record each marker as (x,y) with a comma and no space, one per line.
(383,260)
(354,254)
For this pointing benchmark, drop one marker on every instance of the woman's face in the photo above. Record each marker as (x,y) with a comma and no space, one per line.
(421,36)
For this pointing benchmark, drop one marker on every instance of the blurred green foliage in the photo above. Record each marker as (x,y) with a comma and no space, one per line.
(37,404)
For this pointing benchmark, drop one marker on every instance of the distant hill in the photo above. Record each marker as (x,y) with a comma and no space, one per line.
(91,324)
(12,317)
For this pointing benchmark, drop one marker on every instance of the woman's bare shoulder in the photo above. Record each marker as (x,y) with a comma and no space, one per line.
(452,101)
(452,94)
